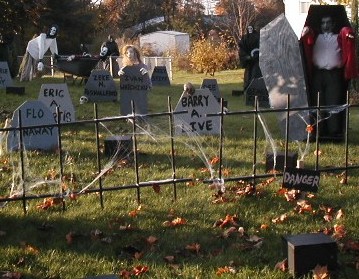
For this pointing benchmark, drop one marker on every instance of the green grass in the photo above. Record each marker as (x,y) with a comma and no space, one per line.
(35,244)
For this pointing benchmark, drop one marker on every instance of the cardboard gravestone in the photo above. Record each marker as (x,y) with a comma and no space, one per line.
(196,121)
(301,179)
(57,95)
(5,77)
(101,87)
(160,76)
(33,113)
(281,65)
(134,88)
(257,88)
(212,85)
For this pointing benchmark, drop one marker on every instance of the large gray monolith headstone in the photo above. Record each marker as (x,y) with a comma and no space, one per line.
(281,65)
(212,85)
(134,87)
(5,77)
(33,113)
(196,121)
(57,95)
(100,87)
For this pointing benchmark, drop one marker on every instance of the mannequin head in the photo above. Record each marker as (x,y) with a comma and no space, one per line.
(52,32)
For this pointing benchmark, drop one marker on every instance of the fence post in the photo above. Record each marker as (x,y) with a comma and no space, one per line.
(99,167)
(173,159)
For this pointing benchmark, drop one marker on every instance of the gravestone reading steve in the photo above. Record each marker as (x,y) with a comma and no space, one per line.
(5,77)
(100,87)
(257,88)
(57,95)
(212,85)
(160,76)
(134,87)
(281,65)
(33,113)
(196,121)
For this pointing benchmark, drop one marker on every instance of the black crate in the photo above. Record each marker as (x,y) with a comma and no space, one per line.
(119,146)
(292,158)
(305,251)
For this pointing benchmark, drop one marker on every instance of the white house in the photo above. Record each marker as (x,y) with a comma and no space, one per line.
(162,41)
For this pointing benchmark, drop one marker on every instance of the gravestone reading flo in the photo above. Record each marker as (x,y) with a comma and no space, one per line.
(160,76)
(134,87)
(212,85)
(5,77)
(195,121)
(33,113)
(100,87)
(257,88)
(57,95)
(281,65)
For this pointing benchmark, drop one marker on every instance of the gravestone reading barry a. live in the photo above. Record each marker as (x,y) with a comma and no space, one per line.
(281,65)
(160,76)
(196,120)
(212,85)
(5,77)
(57,95)
(33,113)
(134,88)
(100,87)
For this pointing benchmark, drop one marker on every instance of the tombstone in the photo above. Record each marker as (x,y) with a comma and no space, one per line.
(101,87)
(160,76)
(34,138)
(134,87)
(257,88)
(212,85)
(281,65)
(57,95)
(195,120)
(5,77)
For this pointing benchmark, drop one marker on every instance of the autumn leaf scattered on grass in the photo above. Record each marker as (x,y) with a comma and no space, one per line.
(214,160)
(303,206)
(151,240)
(139,270)
(50,202)
(29,248)
(193,247)
(321,272)
(175,222)
(280,219)
(282,265)
(226,269)
(134,213)
(229,220)
(156,188)
(339,231)
(10,275)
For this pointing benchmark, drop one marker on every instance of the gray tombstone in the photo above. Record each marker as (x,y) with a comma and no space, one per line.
(281,65)
(5,77)
(134,87)
(57,95)
(257,88)
(160,76)
(196,121)
(33,113)
(101,87)
(212,85)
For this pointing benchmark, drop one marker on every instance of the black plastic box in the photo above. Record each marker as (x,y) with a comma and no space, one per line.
(292,158)
(305,251)
(121,147)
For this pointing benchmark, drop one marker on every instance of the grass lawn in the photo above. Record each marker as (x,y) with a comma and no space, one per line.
(201,234)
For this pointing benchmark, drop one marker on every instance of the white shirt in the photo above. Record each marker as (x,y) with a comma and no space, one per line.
(326,52)
(38,46)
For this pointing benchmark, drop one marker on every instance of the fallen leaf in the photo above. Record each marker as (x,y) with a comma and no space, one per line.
(140,269)
(151,240)
(193,247)
(321,272)
(283,265)
(169,259)
(156,188)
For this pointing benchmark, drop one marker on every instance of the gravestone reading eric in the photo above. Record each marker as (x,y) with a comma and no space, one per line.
(212,85)
(101,87)
(160,76)
(57,95)
(5,77)
(196,121)
(134,87)
(33,113)
(281,65)
(257,88)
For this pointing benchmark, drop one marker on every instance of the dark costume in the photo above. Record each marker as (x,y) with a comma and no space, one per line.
(249,56)
(331,82)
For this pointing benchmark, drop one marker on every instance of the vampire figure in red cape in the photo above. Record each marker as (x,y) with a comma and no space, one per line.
(329,48)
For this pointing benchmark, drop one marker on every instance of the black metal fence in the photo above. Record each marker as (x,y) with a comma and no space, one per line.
(173,180)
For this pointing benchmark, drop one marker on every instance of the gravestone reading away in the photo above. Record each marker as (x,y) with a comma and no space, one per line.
(281,65)
(212,85)
(195,121)
(34,138)
(100,87)
(5,77)
(160,76)
(57,95)
(134,87)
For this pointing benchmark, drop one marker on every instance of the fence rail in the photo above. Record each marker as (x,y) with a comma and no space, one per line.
(173,179)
